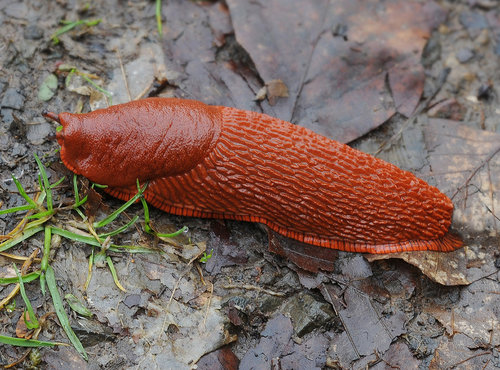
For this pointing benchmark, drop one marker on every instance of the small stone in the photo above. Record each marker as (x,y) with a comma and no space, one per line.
(37,133)
(12,99)
(483,38)
(473,22)
(307,313)
(464,55)
(33,32)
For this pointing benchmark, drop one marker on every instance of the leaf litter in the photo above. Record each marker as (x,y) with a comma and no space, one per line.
(202,59)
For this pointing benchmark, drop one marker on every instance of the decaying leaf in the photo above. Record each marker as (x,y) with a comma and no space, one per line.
(337,85)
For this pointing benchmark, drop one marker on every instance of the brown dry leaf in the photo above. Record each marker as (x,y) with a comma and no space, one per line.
(398,356)
(338,87)
(21,329)
(222,358)
(276,89)
(445,269)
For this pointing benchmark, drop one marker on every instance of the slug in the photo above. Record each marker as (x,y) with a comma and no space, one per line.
(227,163)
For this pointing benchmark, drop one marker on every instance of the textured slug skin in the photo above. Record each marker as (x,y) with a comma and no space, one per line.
(220,162)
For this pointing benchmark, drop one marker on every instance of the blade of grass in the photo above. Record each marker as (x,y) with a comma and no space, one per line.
(26,278)
(22,192)
(40,215)
(32,322)
(61,313)
(184,229)
(21,342)
(115,275)
(76,237)
(70,25)
(132,249)
(120,229)
(147,227)
(78,201)
(44,185)
(92,241)
(98,88)
(58,182)
(28,232)
(77,306)
(45,258)
(89,271)
(158,17)
(117,212)
(16,209)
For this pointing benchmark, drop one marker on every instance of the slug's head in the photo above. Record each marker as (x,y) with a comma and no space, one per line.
(141,140)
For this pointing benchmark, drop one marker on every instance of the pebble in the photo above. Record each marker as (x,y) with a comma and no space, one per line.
(12,99)
(464,55)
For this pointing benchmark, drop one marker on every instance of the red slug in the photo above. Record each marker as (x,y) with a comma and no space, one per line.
(220,162)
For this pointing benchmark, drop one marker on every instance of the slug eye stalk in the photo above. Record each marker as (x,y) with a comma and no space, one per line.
(51,115)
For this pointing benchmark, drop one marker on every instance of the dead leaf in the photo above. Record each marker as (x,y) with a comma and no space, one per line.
(443,268)
(337,85)
(465,165)
(276,89)
(225,250)
(474,315)
(202,71)
(221,359)
(21,330)
(277,350)
(365,331)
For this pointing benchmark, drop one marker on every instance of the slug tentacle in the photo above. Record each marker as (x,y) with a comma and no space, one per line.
(248,166)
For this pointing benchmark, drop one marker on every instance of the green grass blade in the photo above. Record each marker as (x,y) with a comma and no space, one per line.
(184,229)
(61,313)
(40,215)
(32,323)
(114,274)
(120,229)
(22,192)
(147,228)
(45,258)
(58,182)
(26,278)
(45,185)
(131,249)
(28,232)
(21,342)
(76,237)
(78,201)
(117,212)
(98,88)
(158,17)
(16,209)
(77,306)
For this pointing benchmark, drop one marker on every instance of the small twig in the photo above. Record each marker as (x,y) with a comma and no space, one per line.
(124,75)
(470,358)
(208,304)
(254,287)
